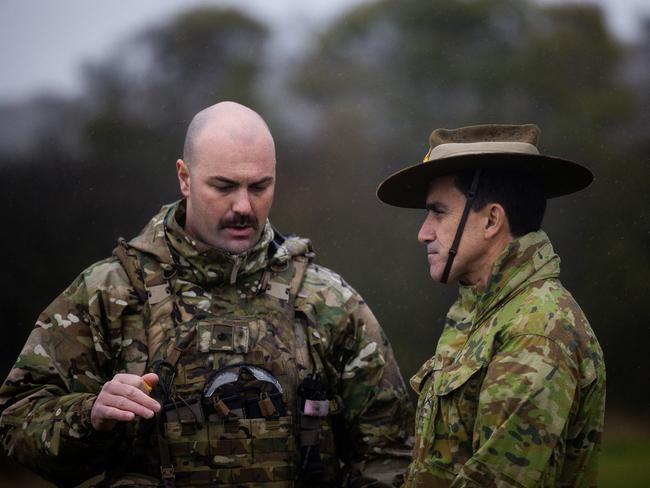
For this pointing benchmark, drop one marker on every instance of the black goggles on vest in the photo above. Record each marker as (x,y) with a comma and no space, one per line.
(244,390)
(237,373)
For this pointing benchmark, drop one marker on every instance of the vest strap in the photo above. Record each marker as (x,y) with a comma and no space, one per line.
(167,470)
(300,264)
(127,262)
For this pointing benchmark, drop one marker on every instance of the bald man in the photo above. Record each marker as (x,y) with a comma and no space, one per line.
(209,350)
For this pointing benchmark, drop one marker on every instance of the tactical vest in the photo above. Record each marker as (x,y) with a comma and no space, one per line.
(197,330)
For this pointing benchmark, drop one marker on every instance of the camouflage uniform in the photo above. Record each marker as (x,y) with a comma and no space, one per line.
(219,310)
(515,394)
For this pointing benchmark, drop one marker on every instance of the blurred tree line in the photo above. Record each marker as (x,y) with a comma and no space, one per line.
(358,105)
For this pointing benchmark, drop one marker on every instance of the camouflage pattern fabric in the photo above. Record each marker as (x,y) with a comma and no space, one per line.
(222,310)
(515,394)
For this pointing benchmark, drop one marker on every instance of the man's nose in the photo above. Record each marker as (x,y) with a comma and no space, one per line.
(427,232)
(242,203)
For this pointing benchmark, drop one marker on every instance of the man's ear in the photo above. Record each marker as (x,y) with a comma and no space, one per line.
(495,220)
(183,173)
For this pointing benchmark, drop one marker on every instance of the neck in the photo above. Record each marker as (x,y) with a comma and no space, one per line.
(480,273)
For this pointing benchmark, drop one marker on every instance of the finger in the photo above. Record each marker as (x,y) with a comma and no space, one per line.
(124,404)
(128,379)
(106,413)
(150,380)
(145,382)
(134,394)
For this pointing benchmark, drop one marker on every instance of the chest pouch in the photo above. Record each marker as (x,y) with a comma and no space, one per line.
(236,433)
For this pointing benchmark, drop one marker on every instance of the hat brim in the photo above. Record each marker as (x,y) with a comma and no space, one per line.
(408,187)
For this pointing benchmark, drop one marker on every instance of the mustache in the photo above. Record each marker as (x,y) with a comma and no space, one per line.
(239,220)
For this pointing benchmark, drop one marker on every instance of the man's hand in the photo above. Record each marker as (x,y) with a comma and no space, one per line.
(122,398)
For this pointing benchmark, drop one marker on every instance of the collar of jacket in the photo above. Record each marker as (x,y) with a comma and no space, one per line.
(165,239)
(209,265)
(525,260)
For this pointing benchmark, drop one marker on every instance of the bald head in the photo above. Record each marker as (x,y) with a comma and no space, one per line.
(227,176)
(226,124)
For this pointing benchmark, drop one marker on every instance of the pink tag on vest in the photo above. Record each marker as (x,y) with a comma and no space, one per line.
(316,408)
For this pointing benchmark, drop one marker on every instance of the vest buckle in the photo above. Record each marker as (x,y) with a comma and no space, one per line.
(168,472)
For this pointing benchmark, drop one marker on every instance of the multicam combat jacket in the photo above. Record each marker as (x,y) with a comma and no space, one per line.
(515,393)
(235,309)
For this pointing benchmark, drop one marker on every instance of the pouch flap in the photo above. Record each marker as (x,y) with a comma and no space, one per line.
(433,364)
(454,376)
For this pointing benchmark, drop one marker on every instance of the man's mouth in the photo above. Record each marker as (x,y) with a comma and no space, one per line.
(239,231)
(432,256)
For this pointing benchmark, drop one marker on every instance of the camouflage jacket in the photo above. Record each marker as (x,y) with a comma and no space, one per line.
(99,327)
(515,393)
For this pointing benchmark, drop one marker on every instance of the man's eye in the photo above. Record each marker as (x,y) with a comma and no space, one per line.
(258,188)
(223,188)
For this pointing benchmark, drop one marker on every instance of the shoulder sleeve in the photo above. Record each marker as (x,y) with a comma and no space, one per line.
(45,401)
(376,415)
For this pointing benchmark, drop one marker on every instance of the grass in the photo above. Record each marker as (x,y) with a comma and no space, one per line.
(625,463)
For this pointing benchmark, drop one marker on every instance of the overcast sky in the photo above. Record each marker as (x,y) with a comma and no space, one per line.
(43,42)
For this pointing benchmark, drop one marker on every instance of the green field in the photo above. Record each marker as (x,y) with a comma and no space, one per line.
(625,463)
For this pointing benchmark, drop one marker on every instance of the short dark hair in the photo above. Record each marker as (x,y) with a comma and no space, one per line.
(518,193)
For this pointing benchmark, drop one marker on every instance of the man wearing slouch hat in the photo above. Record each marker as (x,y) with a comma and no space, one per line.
(515,392)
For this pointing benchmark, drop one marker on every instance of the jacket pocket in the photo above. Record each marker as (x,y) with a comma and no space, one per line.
(455,376)
(450,433)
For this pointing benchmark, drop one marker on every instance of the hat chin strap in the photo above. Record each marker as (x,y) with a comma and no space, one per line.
(453,250)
